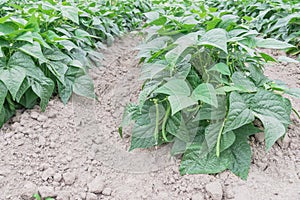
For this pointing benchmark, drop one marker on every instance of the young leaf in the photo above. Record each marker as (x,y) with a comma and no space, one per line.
(71,13)
(216,38)
(206,92)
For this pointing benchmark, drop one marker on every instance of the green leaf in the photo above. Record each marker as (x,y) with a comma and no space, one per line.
(3,94)
(267,57)
(193,162)
(273,129)
(159,21)
(180,102)
(287,59)
(222,68)
(269,104)
(43,88)
(144,130)
(71,13)
(12,77)
(241,81)
(7,28)
(24,87)
(238,114)
(208,112)
(182,43)
(227,140)
(177,87)
(27,36)
(58,69)
(273,110)
(241,159)
(151,70)
(271,43)
(216,38)
(65,91)
(84,86)
(34,50)
(206,92)
(68,45)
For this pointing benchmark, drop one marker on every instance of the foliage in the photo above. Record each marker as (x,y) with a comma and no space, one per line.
(47,47)
(204,86)
(38,197)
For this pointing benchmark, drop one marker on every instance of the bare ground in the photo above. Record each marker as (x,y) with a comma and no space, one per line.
(74,151)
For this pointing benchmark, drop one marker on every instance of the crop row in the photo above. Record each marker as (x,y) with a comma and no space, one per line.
(204,86)
(47,47)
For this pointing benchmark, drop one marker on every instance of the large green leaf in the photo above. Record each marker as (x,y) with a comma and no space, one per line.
(58,69)
(180,102)
(182,43)
(270,104)
(84,86)
(143,133)
(7,28)
(12,77)
(221,68)
(216,38)
(34,50)
(179,92)
(241,158)
(227,140)
(242,82)
(273,129)
(71,13)
(65,91)
(206,92)
(271,43)
(43,88)
(273,110)
(238,114)
(193,162)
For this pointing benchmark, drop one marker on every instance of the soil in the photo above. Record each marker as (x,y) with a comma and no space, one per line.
(75,152)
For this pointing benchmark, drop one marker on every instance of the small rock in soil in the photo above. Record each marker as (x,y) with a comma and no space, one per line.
(48,173)
(42,118)
(97,185)
(107,191)
(47,191)
(28,190)
(34,115)
(63,195)
(214,189)
(69,178)
(91,196)
(51,114)
(57,177)
(198,196)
